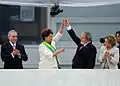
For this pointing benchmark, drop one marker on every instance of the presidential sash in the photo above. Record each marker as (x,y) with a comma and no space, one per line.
(52,49)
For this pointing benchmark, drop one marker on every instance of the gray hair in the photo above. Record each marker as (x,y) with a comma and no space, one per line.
(11,31)
(88,36)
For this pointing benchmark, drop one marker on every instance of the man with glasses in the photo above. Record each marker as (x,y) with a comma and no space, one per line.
(117,35)
(12,53)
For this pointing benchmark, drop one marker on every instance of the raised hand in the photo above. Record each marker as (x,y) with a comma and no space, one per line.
(66,23)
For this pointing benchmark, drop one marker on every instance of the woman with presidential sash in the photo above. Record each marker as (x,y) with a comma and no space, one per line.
(47,50)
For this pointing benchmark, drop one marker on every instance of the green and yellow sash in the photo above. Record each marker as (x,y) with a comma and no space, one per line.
(51,48)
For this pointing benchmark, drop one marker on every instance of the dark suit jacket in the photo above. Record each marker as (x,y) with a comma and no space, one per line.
(9,61)
(119,57)
(84,57)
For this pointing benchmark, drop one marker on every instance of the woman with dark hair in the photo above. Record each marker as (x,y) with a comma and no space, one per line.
(110,56)
(47,50)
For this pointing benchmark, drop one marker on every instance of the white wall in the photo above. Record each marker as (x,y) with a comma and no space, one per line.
(38,77)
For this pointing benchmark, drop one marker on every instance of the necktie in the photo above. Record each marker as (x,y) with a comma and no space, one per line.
(13,46)
(81,46)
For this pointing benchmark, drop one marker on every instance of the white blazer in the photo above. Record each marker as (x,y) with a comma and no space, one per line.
(114,54)
(47,61)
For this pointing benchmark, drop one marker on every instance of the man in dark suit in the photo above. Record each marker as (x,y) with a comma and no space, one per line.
(12,53)
(117,35)
(86,52)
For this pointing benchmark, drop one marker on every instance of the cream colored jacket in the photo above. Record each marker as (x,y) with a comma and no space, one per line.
(111,64)
(47,61)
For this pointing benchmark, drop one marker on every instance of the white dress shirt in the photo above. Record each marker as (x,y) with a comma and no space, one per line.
(14,46)
(47,61)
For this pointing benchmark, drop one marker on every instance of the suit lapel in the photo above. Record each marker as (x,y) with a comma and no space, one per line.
(85,46)
(10,46)
(118,46)
(17,47)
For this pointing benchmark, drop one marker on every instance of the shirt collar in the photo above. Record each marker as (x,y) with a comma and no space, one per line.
(86,43)
(12,43)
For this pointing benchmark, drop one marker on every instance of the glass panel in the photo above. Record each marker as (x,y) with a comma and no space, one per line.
(27,13)
(28,29)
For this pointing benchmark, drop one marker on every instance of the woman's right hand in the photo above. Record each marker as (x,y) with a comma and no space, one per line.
(61,50)
(66,23)
(58,51)
(107,54)
(105,57)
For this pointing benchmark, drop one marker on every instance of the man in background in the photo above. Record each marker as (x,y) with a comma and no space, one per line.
(117,35)
(12,53)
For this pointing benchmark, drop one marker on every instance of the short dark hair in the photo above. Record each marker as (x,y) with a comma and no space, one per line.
(118,32)
(46,33)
